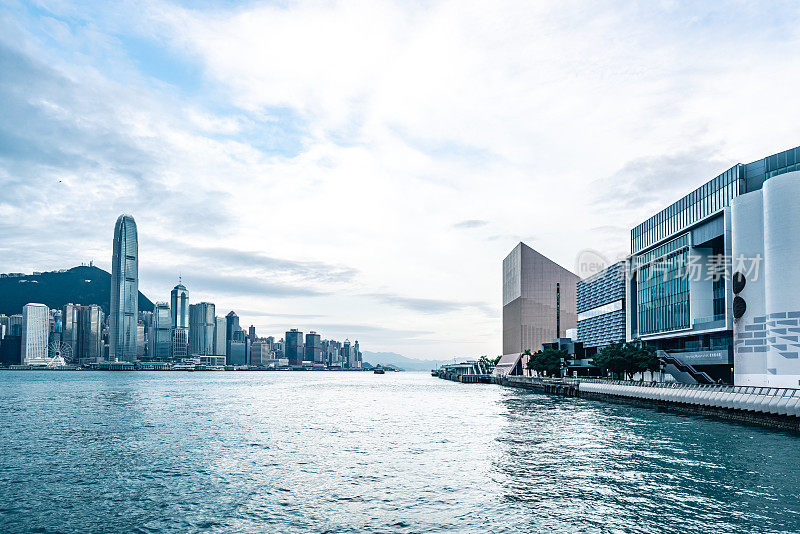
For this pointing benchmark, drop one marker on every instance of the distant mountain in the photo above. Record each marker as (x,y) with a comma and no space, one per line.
(79,285)
(398,360)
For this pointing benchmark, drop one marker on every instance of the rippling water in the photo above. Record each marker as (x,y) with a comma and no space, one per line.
(355,452)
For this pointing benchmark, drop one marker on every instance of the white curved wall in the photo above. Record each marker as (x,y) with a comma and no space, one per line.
(747,241)
(782,278)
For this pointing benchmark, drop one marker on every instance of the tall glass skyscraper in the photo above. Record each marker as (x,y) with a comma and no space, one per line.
(161,332)
(201,329)
(179,307)
(124,308)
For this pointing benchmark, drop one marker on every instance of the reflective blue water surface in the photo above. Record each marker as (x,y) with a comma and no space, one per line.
(357,452)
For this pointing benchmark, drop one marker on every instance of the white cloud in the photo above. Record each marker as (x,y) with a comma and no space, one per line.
(403,120)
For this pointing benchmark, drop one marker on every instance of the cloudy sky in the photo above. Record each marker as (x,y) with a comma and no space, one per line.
(362,168)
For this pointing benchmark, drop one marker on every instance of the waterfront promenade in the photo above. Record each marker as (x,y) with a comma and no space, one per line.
(773,407)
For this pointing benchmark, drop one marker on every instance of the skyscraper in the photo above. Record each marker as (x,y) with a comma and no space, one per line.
(179,307)
(5,326)
(313,349)
(89,330)
(124,308)
(16,324)
(35,333)
(294,347)
(69,326)
(201,329)
(231,327)
(161,332)
(219,336)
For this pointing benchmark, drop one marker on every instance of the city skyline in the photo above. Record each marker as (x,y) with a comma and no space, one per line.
(367,177)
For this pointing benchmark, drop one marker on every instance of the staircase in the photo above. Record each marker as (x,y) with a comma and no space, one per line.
(683,372)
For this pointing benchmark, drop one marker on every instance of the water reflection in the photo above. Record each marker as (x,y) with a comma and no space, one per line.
(356,452)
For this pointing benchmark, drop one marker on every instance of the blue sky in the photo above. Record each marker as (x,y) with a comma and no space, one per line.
(361,168)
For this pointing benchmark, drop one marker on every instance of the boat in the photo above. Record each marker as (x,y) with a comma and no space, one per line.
(379,371)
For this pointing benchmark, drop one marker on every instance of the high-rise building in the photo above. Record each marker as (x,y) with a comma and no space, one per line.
(539,304)
(252,333)
(332,353)
(16,324)
(161,332)
(357,353)
(347,354)
(5,326)
(55,326)
(179,308)
(69,327)
(259,354)
(201,329)
(89,330)
(219,336)
(294,347)
(35,334)
(140,348)
(313,348)
(124,308)
(231,327)
(180,343)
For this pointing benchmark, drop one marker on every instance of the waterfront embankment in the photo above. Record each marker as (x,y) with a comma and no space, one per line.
(771,407)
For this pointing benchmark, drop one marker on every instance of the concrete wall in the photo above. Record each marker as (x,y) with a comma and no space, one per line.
(767,336)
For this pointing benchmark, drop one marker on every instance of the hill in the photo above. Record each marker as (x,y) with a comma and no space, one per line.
(398,360)
(79,285)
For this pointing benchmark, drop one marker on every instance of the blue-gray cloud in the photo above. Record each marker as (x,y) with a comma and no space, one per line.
(470,223)
(312,271)
(431,306)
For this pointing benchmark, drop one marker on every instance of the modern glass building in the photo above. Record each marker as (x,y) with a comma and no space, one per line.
(90,334)
(201,329)
(294,347)
(313,348)
(124,308)
(679,293)
(161,333)
(69,326)
(179,308)
(219,336)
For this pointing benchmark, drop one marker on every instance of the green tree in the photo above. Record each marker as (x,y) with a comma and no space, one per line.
(547,361)
(623,360)
(612,358)
(641,358)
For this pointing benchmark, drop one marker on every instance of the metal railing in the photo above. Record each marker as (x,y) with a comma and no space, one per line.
(722,388)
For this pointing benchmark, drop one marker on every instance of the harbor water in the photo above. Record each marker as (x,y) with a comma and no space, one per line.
(357,452)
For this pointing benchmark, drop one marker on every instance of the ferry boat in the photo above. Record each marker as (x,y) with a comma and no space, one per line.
(379,371)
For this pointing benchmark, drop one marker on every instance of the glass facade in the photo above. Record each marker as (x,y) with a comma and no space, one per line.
(696,206)
(663,291)
(711,197)
(124,307)
(783,162)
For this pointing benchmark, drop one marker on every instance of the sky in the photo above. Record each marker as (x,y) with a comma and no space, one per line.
(362,168)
